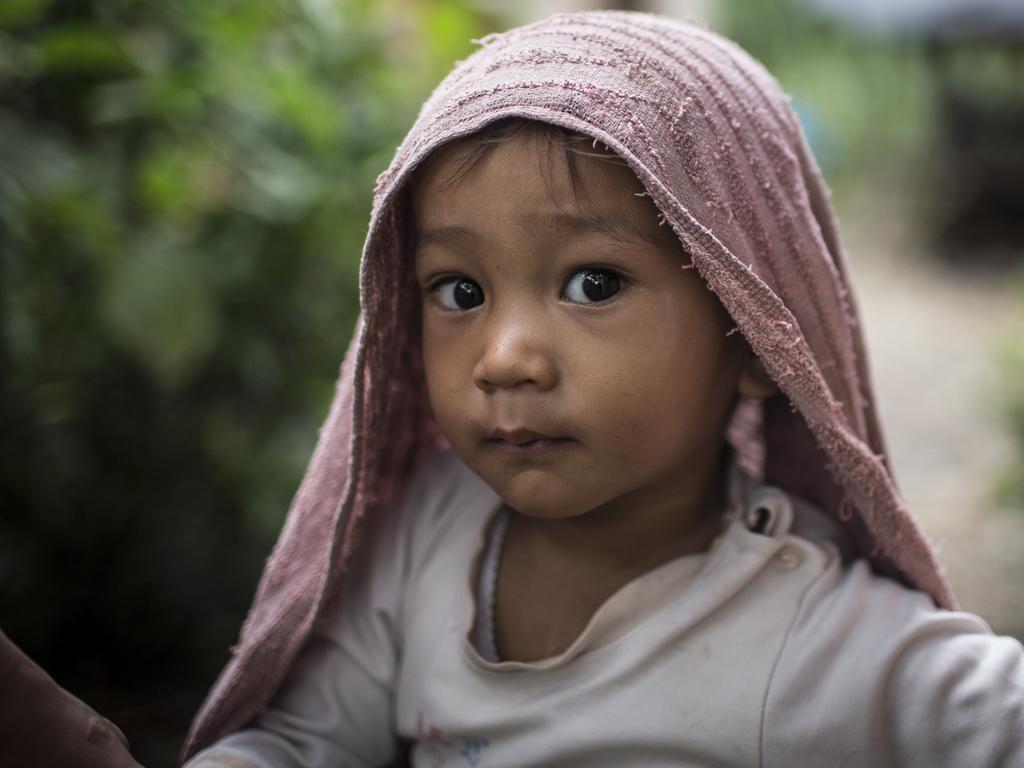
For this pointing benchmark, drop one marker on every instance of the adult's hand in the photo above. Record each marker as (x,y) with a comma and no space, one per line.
(44,726)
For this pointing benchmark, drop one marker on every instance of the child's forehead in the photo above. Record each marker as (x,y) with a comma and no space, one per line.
(544,189)
(562,166)
(619,229)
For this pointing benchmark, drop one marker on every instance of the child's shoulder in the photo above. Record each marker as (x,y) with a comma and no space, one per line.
(849,618)
(869,661)
(843,588)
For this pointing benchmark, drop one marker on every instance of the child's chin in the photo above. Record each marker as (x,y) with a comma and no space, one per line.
(545,512)
(537,491)
(543,504)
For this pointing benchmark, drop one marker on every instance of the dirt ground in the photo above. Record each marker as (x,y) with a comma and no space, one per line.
(933,330)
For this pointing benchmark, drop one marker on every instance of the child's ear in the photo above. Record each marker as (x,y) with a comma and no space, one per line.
(754,381)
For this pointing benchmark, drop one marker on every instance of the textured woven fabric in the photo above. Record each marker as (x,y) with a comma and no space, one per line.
(715,143)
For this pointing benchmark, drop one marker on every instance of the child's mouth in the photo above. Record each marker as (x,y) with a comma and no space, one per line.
(524,441)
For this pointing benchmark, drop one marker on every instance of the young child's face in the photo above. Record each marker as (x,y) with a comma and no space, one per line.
(571,361)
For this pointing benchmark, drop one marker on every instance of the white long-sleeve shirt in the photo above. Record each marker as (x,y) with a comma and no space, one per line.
(771,649)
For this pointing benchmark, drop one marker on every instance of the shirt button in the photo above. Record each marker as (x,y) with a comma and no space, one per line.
(788,558)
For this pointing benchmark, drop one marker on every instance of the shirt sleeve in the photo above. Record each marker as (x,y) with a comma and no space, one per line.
(336,704)
(872,674)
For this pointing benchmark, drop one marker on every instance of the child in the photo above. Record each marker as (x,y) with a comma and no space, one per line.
(572,508)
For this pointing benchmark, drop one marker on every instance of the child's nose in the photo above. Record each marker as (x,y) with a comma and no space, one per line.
(517,353)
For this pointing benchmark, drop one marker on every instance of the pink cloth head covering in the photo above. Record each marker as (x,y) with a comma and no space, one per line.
(715,143)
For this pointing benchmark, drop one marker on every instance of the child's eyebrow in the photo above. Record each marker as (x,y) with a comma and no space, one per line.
(615,228)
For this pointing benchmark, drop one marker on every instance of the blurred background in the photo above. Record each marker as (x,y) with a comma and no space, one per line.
(184,191)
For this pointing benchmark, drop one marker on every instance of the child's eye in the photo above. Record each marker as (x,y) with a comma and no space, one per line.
(589,286)
(459,293)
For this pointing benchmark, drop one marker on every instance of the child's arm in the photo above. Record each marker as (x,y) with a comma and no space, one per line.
(336,705)
(335,708)
(873,675)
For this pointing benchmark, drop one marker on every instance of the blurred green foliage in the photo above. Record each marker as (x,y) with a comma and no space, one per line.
(932,119)
(1009,394)
(864,102)
(184,192)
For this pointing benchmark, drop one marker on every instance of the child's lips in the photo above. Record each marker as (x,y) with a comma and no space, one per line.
(519,441)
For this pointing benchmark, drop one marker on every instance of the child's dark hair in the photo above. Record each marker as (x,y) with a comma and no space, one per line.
(573,144)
